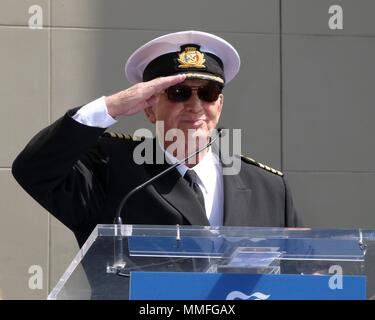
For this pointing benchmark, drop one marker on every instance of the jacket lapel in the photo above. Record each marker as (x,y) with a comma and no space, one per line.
(173,189)
(178,194)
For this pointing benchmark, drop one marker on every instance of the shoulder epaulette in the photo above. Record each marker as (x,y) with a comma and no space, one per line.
(123,136)
(261,165)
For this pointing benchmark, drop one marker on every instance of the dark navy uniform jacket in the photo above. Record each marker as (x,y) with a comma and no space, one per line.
(81,176)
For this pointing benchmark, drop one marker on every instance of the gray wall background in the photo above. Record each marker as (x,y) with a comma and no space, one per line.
(304,99)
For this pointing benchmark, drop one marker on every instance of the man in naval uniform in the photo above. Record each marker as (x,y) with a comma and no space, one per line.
(80,174)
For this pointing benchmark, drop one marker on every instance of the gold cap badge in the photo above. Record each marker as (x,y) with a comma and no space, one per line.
(191,57)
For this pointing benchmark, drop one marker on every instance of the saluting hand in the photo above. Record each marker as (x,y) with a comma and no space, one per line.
(139,96)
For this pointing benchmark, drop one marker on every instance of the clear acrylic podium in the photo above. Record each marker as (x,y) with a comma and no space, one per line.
(104,266)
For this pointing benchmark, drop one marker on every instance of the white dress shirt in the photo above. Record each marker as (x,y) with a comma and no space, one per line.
(95,114)
(209,169)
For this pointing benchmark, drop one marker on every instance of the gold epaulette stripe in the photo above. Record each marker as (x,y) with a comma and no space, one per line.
(261,165)
(123,136)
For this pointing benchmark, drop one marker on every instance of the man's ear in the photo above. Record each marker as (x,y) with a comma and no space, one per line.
(149,112)
(221,103)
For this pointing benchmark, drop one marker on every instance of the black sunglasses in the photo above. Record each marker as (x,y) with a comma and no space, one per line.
(182,92)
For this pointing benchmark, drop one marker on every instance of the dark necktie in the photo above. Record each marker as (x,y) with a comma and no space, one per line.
(192,178)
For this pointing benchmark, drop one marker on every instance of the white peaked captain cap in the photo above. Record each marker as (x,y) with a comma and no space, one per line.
(199,55)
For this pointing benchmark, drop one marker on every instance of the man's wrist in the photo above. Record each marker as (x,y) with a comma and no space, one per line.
(111,107)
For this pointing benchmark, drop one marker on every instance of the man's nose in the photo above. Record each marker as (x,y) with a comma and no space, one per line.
(194,103)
